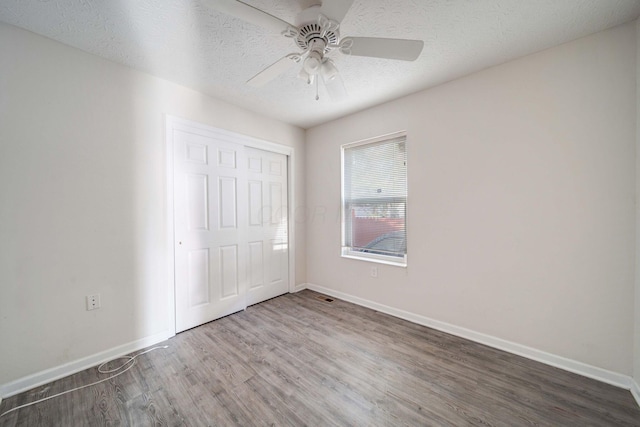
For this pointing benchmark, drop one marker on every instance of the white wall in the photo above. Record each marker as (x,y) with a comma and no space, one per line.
(82,199)
(521,202)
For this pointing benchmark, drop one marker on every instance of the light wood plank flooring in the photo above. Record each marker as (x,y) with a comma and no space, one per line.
(299,360)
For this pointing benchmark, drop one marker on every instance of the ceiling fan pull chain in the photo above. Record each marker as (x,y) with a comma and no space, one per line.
(317,96)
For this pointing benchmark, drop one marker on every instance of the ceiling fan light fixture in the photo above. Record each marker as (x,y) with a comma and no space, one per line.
(312,63)
(328,70)
(303,75)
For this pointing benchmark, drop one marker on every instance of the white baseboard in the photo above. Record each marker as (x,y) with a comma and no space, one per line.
(619,380)
(43,377)
(635,391)
(299,287)
(606,376)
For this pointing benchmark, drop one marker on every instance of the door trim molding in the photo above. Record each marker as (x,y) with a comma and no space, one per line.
(173,123)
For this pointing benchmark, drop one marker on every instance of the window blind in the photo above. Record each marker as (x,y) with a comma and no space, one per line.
(375,198)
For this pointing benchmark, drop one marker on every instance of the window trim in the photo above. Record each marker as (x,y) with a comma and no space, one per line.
(346,252)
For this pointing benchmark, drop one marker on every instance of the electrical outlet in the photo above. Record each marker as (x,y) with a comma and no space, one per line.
(93,302)
(374,271)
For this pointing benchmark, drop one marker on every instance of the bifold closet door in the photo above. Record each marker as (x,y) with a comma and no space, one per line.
(230,227)
(268,247)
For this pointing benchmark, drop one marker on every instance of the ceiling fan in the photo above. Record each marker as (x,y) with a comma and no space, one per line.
(316,32)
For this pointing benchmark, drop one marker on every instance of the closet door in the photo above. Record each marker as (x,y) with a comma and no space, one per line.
(230,225)
(210,214)
(268,244)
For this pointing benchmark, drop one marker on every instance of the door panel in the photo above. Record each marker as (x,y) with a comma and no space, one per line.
(256,264)
(227,205)
(197,201)
(269,269)
(230,211)
(209,276)
(255,203)
(229,271)
(198,277)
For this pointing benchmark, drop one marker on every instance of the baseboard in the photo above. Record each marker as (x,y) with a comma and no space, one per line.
(635,391)
(43,377)
(299,287)
(619,380)
(603,375)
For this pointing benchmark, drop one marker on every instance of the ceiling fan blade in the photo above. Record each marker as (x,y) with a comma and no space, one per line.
(249,14)
(335,9)
(272,71)
(335,88)
(406,50)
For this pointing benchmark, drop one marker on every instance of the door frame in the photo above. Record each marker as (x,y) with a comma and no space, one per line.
(173,123)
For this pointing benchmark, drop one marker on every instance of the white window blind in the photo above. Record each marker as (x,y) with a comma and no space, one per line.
(374,201)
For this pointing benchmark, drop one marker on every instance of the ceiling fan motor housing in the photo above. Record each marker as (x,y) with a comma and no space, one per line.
(307,34)
(310,31)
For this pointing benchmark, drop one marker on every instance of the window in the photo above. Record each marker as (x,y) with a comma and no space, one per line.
(374,200)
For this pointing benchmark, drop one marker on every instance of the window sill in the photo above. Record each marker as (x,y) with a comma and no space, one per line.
(380,259)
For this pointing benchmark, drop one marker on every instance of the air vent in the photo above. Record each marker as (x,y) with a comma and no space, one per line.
(324,298)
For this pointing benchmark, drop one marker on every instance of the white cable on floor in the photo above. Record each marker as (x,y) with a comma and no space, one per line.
(130,360)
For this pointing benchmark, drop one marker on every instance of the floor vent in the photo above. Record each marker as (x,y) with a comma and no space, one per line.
(324,298)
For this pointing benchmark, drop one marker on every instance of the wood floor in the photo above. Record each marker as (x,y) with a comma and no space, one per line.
(299,360)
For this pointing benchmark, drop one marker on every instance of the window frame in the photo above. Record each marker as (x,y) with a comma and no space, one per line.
(347,252)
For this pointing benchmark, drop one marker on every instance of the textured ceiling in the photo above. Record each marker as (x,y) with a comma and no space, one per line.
(189,43)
